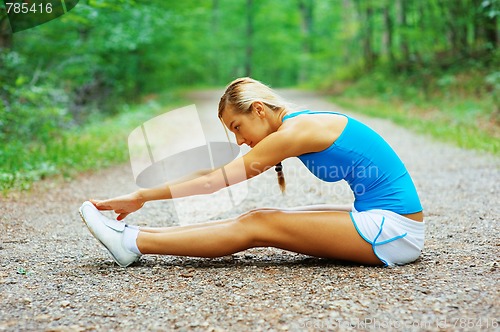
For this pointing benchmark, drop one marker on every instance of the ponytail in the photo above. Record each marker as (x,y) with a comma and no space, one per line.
(281,178)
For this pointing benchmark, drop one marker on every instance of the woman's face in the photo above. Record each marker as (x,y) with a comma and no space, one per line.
(249,128)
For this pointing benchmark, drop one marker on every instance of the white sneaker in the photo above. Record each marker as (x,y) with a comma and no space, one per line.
(109,232)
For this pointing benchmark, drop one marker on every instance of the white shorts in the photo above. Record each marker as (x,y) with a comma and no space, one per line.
(396,240)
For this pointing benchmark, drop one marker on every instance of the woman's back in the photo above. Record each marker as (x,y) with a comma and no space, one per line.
(376,175)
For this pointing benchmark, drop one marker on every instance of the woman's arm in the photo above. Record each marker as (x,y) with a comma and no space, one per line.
(163,191)
(288,141)
(126,204)
(273,149)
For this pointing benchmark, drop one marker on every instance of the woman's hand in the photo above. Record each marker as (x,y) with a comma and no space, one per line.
(122,205)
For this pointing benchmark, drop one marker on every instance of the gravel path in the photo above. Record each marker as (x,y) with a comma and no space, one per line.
(54,276)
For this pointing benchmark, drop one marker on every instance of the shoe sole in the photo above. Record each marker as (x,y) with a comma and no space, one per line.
(93,234)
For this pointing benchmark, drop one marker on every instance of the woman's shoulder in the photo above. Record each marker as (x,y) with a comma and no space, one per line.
(318,130)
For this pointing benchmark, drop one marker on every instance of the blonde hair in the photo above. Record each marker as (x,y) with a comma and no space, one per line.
(241,93)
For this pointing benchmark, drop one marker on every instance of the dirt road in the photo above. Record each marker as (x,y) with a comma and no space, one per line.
(54,276)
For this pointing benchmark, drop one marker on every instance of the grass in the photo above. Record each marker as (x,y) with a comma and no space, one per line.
(100,143)
(444,125)
(449,110)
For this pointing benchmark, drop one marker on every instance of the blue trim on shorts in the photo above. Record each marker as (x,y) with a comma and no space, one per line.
(359,232)
(364,238)
(375,243)
(393,239)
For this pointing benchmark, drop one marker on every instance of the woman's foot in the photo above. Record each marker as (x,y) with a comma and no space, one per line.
(109,232)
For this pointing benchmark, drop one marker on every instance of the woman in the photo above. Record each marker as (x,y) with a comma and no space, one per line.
(383,227)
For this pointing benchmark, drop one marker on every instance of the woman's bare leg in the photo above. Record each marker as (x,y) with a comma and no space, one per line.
(320,234)
(311,208)
(322,207)
(173,229)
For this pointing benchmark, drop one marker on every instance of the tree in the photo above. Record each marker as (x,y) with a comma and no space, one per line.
(306,8)
(366,13)
(486,22)
(249,38)
(5,30)
(405,50)
(388,32)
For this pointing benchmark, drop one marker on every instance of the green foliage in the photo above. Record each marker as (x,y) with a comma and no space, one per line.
(104,139)
(81,68)
(19,100)
(458,106)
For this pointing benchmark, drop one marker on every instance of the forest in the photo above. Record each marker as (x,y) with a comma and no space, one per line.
(431,65)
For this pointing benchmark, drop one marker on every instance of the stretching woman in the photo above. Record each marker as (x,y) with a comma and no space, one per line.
(383,227)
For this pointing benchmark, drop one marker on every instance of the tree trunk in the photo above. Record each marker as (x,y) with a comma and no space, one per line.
(5,34)
(490,24)
(365,12)
(455,17)
(369,54)
(492,32)
(405,50)
(306,8)
(461,17)
(388,34)
(477,25)
(214,39)
(249,37)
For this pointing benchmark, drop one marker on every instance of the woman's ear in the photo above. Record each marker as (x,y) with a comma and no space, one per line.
(259,108)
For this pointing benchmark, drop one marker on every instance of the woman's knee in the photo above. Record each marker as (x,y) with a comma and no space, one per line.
(261,210)
(257,224)
(259,215)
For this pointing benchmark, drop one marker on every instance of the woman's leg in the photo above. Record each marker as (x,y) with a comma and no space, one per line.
(311,208)
(322,207)
(173,229)
(320,234)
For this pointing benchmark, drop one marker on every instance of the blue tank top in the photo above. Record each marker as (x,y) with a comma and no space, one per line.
(360,156)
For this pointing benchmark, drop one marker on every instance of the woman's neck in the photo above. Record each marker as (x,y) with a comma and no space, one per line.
(279,115)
